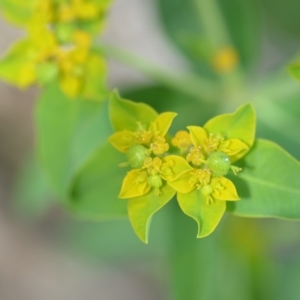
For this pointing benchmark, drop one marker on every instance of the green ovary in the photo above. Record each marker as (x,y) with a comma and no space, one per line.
(219,163)
(136,156)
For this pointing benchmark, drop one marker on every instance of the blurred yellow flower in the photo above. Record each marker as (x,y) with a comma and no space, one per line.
(58,48)
(225,60)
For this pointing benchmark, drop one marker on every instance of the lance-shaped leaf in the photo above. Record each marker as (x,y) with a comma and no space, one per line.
(269,183)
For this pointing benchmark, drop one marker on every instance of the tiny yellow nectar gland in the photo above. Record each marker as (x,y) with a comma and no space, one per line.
(153,165)
(159,146)
(182,141)
(199,178)
(213,142)
(225,60)
(195,156)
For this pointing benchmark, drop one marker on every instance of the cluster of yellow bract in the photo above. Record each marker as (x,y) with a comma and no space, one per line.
(58,45)
(192,164)
(210,156)
(203,162)
(146,150)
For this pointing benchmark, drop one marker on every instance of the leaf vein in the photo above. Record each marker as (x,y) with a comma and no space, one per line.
(272,185)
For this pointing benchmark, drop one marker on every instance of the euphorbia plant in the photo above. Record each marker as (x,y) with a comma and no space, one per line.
(195,173)
(112,158)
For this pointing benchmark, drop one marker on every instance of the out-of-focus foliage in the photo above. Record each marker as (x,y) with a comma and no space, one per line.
(188,31)
(57,46)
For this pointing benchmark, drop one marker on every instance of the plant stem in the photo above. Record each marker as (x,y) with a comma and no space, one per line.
(192,261)
(183,256)
(217,33)
(190,84)
(213,23)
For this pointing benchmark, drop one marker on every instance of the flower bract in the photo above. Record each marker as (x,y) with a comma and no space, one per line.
(202,192)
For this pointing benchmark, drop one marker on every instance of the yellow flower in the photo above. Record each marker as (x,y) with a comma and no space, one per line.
(211,188)
(154,173)
(203,191)
(225,60)
(210,142)
(203,197)
(147,189)
(182,141)
(58,48)
(152,136)
(141,134)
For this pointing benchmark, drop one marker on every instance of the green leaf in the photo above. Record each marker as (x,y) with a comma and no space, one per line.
(96,186)
(294,70)
(32,195)
(206,215)
(18,12)
(269,183)
(125,114)
(69,131)
(141,210)
(17,66)
(239,125)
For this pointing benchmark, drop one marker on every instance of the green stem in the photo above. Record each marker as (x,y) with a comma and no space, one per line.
(192,260)
(217,32)
(190,84)
(213,23)
(183,256)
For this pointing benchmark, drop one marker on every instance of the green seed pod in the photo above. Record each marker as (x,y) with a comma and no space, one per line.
(155,181)
(219,163)
(136,156)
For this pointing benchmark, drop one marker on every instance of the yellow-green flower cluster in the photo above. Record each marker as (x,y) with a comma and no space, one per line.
(147,153)
(193,164)
(58,46)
